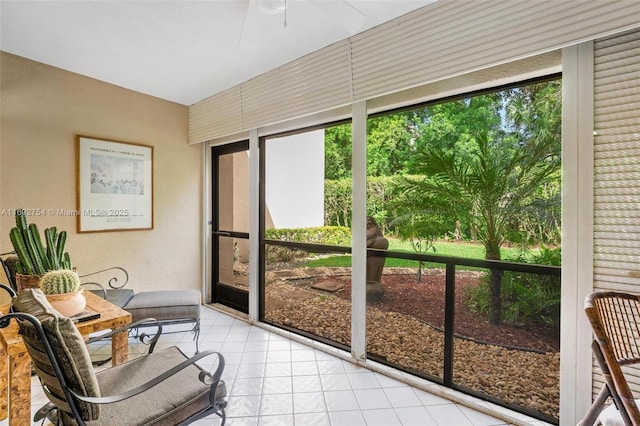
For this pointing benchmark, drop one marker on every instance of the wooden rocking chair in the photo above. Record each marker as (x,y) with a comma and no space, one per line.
(615,319)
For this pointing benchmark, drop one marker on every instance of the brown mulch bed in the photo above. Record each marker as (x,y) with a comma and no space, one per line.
(405,329)
(424,299)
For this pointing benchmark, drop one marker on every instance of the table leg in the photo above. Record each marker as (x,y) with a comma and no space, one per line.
(120,347)
(4,384)
(20,393)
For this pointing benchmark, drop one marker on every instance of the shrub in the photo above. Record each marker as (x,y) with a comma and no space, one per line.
(328,235)
(527,299)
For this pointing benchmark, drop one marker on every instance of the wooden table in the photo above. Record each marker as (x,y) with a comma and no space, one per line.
(15,364)
(111,316)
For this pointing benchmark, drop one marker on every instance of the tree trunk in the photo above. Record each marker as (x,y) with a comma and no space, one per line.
(495,286)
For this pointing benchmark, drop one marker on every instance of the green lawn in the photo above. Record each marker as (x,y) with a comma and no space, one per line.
(461,249)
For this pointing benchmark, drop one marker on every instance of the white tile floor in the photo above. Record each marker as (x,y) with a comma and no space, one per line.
(278,379)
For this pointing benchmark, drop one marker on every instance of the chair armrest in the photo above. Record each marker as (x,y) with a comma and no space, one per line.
(9,267)
(100,288)
(12,293)
(205,377)
(111,282)
(9,290)
(147,339)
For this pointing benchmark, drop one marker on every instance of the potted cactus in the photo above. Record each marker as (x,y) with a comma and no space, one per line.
(34,260)
(62,289)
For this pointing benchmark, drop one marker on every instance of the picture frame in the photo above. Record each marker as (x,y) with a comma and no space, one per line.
(114,185)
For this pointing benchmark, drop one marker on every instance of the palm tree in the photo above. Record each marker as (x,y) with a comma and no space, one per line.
(484,181)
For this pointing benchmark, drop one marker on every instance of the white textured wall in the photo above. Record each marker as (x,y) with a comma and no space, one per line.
(295,180)
(43,108)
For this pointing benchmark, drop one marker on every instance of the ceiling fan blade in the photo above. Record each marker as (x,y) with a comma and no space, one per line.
(263,22)
(343,12)
(271,7)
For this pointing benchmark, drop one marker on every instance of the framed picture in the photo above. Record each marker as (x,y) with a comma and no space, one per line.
(114,185)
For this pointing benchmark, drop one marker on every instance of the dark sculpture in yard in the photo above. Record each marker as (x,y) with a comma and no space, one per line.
(375,264)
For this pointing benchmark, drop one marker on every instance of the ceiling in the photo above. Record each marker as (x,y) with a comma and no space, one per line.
(183,51)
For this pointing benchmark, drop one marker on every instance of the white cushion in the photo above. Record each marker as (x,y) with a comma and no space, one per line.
(611,417)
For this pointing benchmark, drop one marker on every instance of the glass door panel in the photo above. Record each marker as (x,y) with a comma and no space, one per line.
(231,225)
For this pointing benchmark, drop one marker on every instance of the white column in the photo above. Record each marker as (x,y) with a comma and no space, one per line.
(254,223)
(359,231)
(207,217)
(577,228)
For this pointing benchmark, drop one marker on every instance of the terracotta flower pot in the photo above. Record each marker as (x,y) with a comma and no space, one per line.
(68,304)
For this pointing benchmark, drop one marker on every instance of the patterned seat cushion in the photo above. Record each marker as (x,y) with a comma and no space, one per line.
(67,345)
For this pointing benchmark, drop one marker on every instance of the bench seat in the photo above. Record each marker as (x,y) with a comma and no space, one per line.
(118,296)
(168,307)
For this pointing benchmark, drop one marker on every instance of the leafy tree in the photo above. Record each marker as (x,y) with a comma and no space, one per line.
(421,228)
(535,112)
(452,124)
(337,152)
(337,202)
(389,146)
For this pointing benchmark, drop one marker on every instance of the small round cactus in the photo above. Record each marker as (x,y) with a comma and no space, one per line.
(60,281)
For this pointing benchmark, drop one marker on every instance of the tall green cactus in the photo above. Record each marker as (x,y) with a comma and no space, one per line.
(60,281)
(34,258)
(24,265)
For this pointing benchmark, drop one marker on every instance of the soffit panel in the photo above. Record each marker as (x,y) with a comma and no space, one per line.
(216,116)
(449,38)
(314,83)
